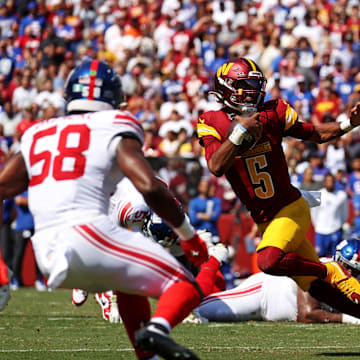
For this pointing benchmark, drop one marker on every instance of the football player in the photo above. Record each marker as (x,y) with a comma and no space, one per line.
(128,209)
(259,296)
(71,165)
(243,141)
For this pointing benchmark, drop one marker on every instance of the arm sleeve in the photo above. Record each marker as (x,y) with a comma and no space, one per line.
(300,130)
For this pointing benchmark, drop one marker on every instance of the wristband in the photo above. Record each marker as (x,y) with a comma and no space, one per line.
(238,134)
(348,319)
(346,126)
(185,230)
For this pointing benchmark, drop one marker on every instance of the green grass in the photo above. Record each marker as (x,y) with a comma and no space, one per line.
(47,326)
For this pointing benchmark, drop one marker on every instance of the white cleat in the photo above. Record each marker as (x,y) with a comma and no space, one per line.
(79,297)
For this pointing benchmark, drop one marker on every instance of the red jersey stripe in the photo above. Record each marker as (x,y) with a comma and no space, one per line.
(123,213)
(149,260)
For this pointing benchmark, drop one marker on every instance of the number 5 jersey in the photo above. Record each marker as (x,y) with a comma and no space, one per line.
(71,164)
(259,176)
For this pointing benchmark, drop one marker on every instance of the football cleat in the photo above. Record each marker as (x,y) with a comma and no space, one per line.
(79,297)
(339,278)
(219,252)
(155,338)
(39,285)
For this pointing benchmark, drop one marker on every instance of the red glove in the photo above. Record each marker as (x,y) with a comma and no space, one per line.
(195,249)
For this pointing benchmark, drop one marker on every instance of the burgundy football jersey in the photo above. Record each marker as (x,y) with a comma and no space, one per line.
(260,176)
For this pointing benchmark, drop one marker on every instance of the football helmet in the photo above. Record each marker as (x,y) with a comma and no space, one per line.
(93,86)
(240,85)
(348,252)
(157,229)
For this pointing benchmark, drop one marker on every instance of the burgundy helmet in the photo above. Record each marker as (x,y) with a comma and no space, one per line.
(240,85)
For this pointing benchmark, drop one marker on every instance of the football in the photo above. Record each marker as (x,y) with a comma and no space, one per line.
(248,142)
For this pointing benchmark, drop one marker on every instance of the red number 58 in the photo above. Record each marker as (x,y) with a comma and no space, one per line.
(65,151)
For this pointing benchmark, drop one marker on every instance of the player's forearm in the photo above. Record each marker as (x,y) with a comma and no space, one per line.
(222,158)
(163,204)
(321,316)
(326,132)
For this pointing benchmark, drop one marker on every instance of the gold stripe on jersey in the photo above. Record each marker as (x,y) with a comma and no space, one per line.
(291,117)
(206,130)
(252,64)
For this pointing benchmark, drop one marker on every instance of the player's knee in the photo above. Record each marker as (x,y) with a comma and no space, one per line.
(269,258)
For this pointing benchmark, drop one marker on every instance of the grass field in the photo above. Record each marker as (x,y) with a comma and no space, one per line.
(47,326)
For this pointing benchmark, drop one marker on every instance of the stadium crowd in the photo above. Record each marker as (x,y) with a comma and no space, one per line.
(166,53)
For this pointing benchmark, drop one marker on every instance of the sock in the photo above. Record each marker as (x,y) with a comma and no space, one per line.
(177,302)
(220,283)
(135,313)
(163,322)
(207,276)
(274,261)
(325,293)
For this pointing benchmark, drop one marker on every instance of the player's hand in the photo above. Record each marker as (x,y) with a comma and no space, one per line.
(252,125)
(195,249)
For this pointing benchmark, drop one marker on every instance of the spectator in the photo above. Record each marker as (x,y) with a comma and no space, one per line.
(329,218)
(354,178)
(24,229)
(25,94)
(205,209)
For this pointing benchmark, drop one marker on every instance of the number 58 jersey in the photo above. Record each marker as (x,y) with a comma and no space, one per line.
(71,164)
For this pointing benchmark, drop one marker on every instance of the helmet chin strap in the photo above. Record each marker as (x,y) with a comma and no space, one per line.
(245,111)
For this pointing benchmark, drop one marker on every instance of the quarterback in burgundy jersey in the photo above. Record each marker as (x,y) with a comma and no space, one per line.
(243,141)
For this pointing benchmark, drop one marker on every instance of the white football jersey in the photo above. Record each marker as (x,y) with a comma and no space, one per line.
(71,163)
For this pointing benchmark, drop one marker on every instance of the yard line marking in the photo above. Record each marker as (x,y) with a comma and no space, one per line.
(192,348)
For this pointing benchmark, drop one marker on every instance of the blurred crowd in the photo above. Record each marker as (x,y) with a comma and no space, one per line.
(166,53)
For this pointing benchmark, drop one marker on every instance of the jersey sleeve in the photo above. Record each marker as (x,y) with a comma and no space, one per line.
(206,128)
(208,135)
(287,114)
(124,124)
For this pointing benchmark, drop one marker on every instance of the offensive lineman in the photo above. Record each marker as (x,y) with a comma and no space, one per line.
(71,166)
(250,154)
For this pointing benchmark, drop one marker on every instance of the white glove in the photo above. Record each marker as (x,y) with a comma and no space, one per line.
(114,316)
(219,252)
